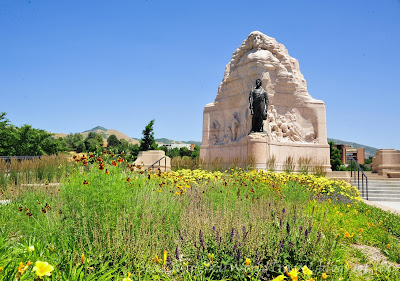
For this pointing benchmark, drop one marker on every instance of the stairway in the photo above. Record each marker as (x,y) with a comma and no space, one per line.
(381,188)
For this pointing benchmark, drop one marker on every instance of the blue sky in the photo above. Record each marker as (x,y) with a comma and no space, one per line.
(70,65)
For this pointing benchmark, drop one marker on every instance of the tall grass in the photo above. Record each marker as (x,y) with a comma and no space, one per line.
(47,169)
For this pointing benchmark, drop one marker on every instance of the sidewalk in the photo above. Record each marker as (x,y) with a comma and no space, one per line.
(393,207)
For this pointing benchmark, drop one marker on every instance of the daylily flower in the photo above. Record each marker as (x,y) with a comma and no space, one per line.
(43,268)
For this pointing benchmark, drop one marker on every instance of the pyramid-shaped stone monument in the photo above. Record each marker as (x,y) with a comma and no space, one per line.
(295,123)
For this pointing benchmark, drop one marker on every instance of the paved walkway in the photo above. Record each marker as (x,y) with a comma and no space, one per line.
(385,205)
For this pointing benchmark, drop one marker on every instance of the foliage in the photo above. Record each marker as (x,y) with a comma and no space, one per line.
(26,141)
(109,218)
(336,161)
(112,140)
(148,142)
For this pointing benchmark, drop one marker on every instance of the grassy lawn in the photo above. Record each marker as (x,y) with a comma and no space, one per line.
(109,220)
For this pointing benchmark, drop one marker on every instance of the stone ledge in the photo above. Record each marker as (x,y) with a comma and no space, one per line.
(393,174)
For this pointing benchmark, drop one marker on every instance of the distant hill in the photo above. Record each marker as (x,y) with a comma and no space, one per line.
(168,141)
(369,150)
(105,133)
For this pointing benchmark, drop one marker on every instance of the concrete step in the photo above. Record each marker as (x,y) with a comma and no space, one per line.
(380,190)
(377,199)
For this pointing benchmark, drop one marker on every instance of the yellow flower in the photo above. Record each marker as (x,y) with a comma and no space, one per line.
(127,278)
(387,246)
(324,276)
(347,264)
(248,261)
(156,259)
(307,271)
(165,256)
(293,274)
(31,248)
(279,278)
(43,268)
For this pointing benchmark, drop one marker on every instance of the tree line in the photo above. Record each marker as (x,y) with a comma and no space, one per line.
(28,141)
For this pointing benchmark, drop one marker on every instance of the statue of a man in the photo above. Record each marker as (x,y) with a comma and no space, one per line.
(258,99)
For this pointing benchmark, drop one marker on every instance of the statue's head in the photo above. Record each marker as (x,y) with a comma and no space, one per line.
(258,82)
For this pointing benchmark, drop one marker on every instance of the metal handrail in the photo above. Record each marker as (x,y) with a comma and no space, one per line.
(159,163)
(357,177)
(19,157)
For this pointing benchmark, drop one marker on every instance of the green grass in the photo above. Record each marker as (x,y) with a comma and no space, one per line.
(190,225)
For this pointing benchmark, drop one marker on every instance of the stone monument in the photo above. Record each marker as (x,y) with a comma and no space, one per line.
(387,163)
(294,125)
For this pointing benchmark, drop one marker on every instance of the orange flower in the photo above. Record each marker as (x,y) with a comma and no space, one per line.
(82,258)
(348,235)
(120,160)
(22,268)
(113,163)
(107,172)
(128,179)
(85,182)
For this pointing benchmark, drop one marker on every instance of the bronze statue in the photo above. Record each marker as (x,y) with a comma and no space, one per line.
(258,99)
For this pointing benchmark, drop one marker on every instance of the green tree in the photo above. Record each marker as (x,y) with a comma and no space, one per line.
(335,157)
(148,142)
(93,141)
(7,136)
(92,145)
(112,140)
(196,152)
(184,151)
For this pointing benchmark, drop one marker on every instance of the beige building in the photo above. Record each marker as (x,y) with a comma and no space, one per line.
(348,151)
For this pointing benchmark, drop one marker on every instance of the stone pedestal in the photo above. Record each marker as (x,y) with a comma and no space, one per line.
(295,125)
(147,158)
(385,161)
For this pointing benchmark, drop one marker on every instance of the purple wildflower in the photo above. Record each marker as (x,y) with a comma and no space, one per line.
(177,253)
(288,228)
(238,255)
(300,229)
(181,236)
(281,245)
(244,233)
(306,233)
(201,238)
(232,234)
(283,211)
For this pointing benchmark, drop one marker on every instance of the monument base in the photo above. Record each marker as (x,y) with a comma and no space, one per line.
(259,152)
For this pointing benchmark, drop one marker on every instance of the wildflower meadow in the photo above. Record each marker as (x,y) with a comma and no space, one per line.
(108,219)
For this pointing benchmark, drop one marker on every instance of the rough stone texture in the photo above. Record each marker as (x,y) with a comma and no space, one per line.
(385,161)
(296,123)
(147,158)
